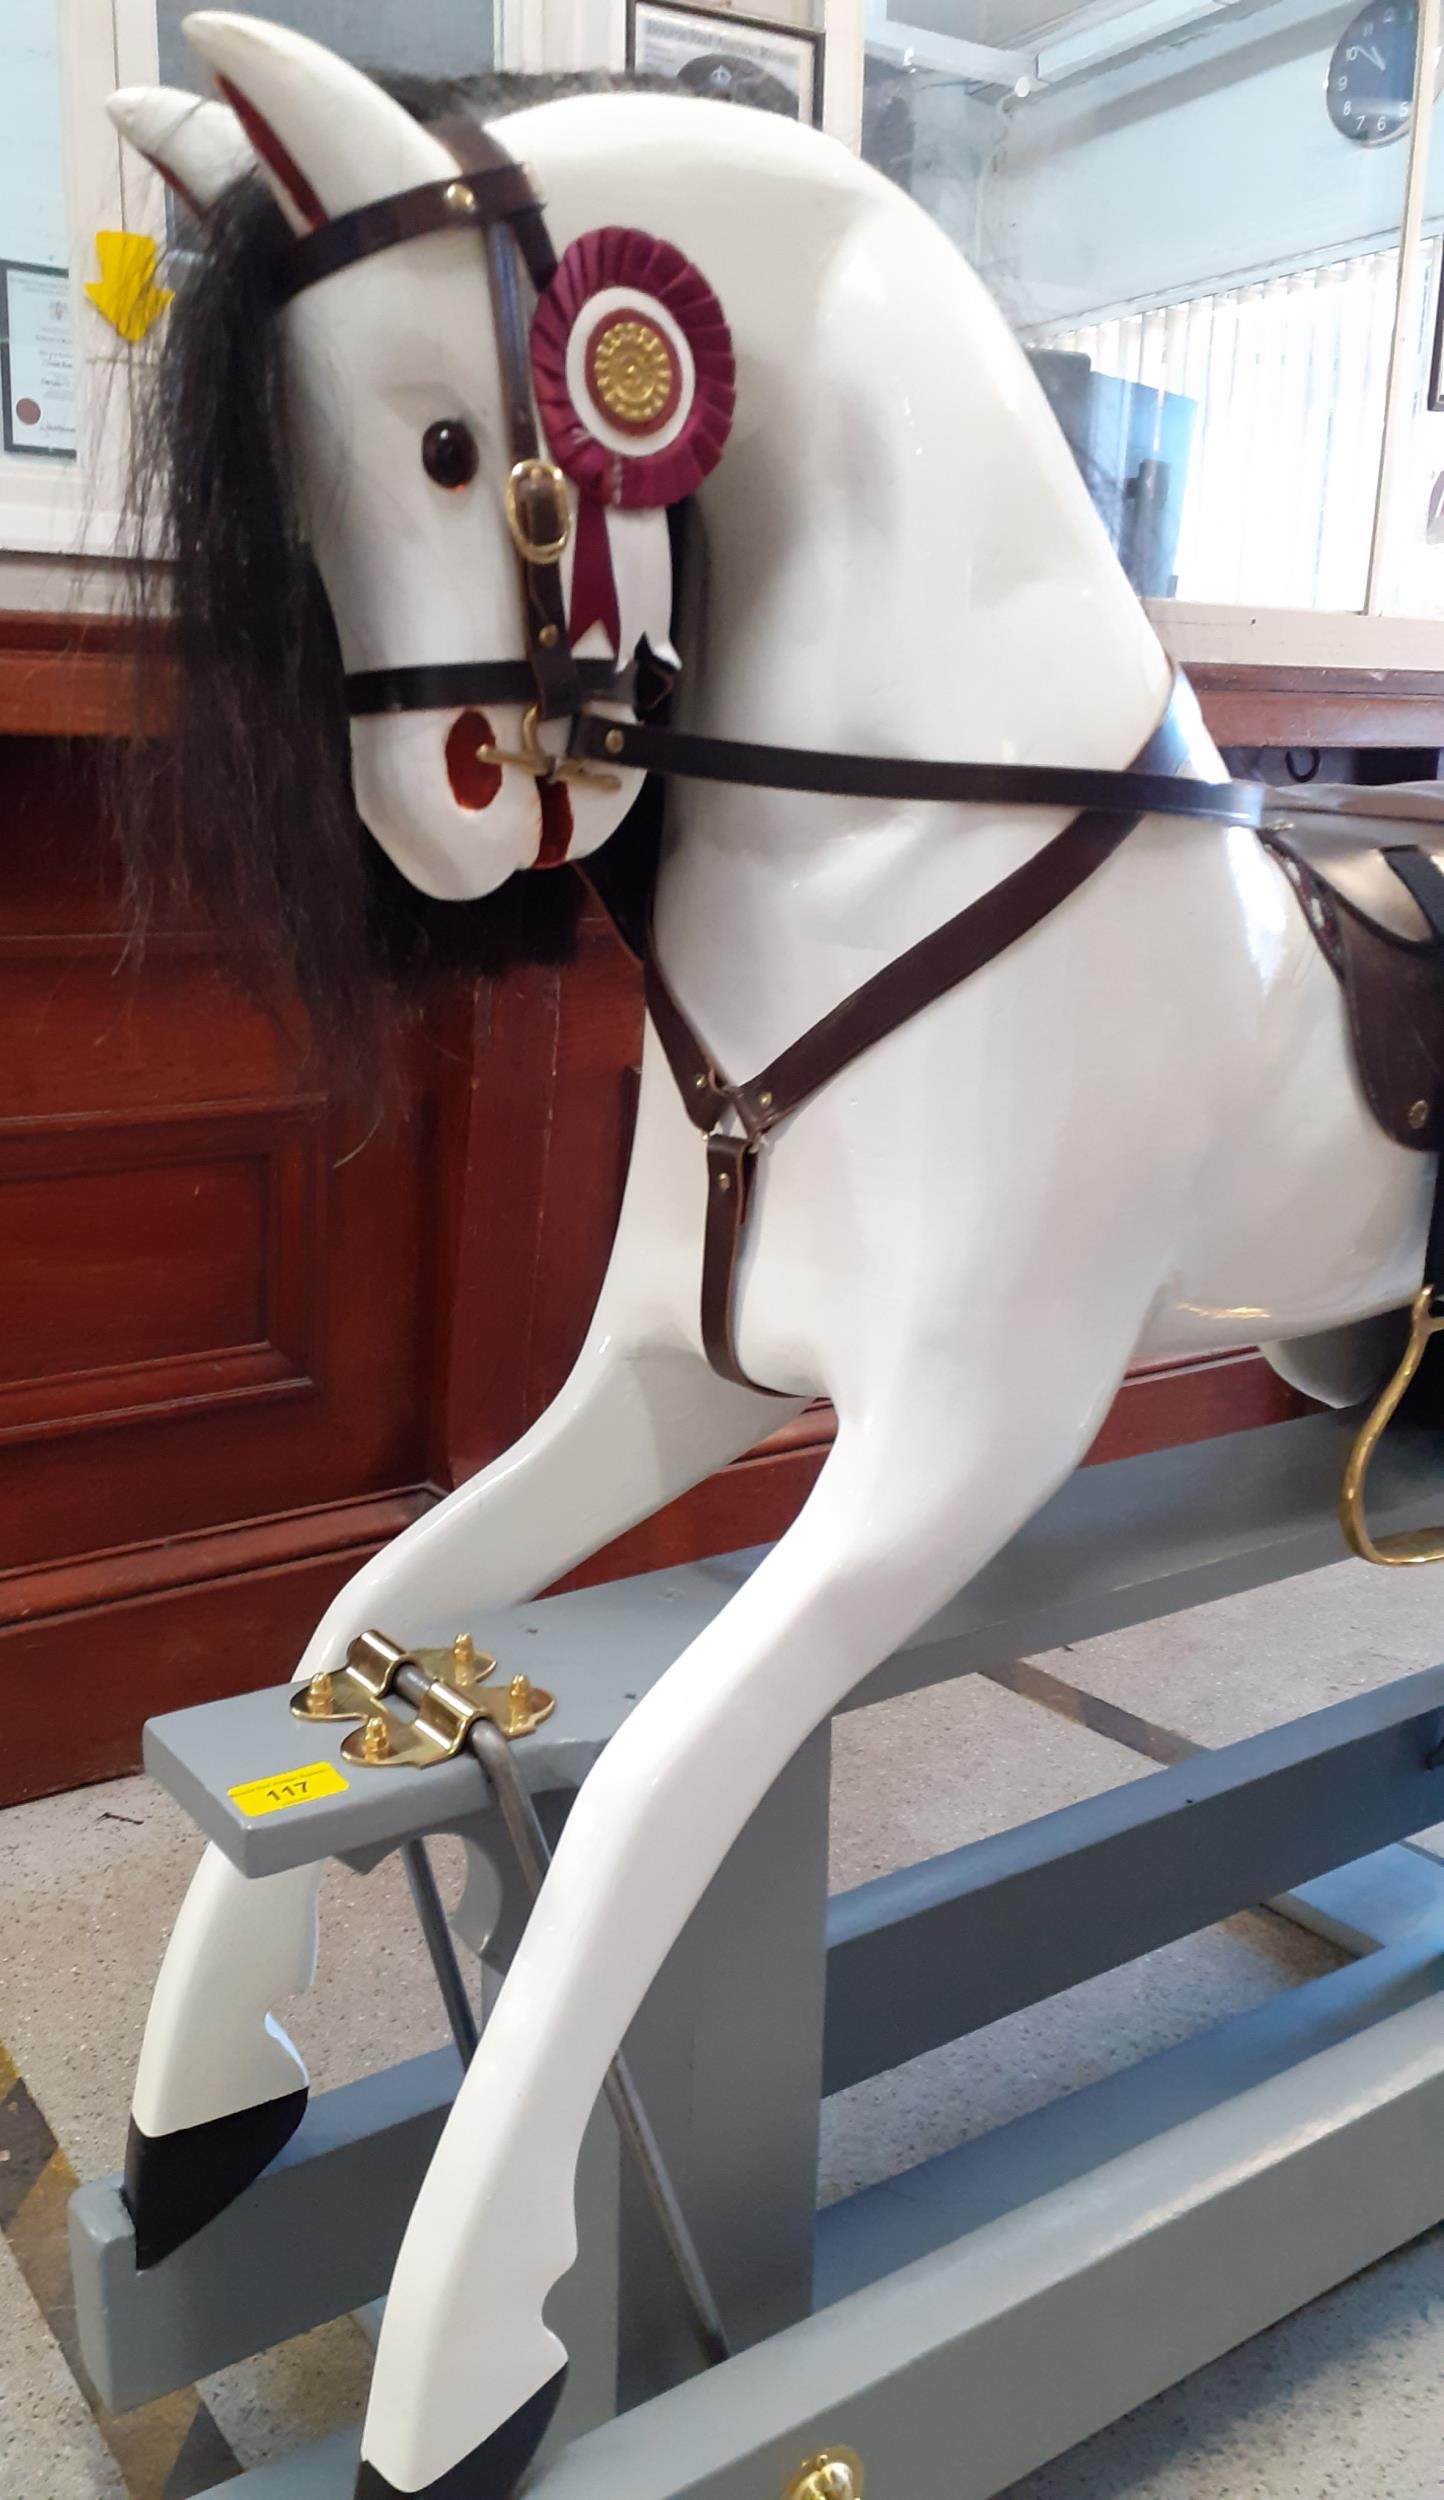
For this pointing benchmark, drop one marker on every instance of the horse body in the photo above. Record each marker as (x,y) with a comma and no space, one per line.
(1138,1131)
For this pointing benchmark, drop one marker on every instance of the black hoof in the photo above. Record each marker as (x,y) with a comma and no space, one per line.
(176,2184)
(493,2470)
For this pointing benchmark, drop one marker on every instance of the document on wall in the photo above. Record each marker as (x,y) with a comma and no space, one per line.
(37,340)
(37,362)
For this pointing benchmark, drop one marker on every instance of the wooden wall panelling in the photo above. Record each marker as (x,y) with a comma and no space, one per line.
(217,1300)
(1320,707)
(156,1266)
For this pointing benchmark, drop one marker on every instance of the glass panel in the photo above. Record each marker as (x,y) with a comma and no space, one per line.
(37,345)
(1190,212)
(1412,576)
(444,39)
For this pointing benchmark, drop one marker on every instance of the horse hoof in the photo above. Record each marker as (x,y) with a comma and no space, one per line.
(175,2184)
(492,2471)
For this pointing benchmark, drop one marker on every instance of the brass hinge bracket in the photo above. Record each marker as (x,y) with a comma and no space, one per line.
(836,2474)
(453,1697)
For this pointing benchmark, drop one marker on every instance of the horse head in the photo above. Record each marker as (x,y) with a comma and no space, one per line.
(394,414)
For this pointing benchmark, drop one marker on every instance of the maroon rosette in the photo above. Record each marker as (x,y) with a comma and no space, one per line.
(634,481)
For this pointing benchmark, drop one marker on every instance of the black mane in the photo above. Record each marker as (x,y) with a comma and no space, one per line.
(245,814)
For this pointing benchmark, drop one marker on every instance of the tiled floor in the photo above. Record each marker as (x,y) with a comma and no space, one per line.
(1347,2397)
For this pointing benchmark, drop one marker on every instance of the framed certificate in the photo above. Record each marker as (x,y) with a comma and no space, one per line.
(37,362)
(736,60)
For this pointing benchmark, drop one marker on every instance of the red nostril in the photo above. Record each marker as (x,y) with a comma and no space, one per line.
(473,784)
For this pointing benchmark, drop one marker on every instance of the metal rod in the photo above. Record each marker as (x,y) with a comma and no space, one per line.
(1402,377)
(434,1928)
(533,1857)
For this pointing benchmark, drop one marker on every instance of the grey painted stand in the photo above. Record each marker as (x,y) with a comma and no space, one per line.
(960,2325)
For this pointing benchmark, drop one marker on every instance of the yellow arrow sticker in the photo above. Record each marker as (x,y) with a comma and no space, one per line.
(287,1788)
(125,292)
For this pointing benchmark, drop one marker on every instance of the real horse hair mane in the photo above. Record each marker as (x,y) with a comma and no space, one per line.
(243,815)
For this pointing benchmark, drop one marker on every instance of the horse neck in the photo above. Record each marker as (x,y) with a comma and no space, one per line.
(903,558)
(901,555)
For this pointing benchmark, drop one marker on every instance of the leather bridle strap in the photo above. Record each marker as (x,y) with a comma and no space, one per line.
(491,193)
(449,204)
(829,774)
(446,685)
(926,972)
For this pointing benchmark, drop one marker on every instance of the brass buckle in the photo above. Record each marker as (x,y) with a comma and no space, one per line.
(1402,1545)
(446,1711)
(541,764)
(534,482)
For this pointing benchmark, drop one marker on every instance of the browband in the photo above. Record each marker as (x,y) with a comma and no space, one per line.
(478,195)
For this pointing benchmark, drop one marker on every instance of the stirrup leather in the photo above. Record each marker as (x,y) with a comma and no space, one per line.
(1402,1545)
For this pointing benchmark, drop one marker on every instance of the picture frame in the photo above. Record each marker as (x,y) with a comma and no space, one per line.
(745,60)
(37,362)
(1435,400)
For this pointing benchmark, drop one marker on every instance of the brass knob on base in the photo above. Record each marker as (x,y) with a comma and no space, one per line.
(834,2474)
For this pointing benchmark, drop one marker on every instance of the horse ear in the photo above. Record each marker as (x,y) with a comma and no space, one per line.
(327,137)
(200,149)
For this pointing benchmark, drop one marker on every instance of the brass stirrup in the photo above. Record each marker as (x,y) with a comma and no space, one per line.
(1402,1545)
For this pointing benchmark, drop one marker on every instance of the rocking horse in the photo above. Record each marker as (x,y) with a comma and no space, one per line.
(1009,1070)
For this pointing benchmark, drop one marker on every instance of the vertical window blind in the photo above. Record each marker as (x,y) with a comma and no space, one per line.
(1288,378)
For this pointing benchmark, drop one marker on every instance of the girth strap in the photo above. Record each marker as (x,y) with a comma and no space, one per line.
(926,972)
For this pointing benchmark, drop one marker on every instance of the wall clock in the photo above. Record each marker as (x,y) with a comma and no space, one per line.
(1371,75)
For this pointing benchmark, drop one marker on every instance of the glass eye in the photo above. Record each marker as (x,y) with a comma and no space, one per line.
(449,453)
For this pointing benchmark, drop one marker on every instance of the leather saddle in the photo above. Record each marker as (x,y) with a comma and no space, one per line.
(1368,867)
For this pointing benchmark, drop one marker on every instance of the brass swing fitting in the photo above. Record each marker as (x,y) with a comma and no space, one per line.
(1401,1546)
(834,2474)
(448,1687)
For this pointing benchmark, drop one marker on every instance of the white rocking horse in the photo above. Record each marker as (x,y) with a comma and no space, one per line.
(1137,1131)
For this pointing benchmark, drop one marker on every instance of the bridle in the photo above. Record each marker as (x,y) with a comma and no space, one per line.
(493,194)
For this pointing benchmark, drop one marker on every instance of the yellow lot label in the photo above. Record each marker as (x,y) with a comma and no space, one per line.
(288,1788)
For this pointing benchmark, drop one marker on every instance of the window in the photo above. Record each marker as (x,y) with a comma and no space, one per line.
(1212,227)
(1240,442)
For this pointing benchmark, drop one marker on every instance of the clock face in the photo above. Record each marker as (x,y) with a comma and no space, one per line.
(1371,75)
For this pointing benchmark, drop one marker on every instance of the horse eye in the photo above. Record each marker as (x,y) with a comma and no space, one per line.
(448,450)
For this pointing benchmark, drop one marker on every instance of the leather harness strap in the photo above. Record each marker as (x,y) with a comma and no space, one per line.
(828,774)
(493,194)
(1424,878)
(447,685)
(503,189)
(927,971)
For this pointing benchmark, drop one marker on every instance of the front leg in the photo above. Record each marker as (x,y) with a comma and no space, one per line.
(220,2086)
(955,1448)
